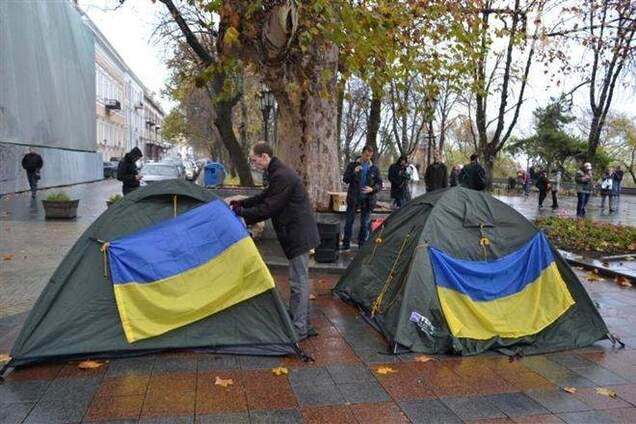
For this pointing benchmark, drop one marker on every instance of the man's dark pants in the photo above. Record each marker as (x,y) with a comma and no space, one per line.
(33,178)
(581,202)
(542,195)
(365,220)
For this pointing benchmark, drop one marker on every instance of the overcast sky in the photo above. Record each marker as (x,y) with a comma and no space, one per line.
(129,29)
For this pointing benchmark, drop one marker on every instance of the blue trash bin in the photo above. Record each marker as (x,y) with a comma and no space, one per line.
(214,174)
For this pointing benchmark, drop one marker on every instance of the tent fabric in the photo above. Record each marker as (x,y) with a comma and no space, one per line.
(76,315)
(393,275)
(204,258)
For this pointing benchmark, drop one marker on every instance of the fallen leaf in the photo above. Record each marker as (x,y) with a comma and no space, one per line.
(223,382)
(87,365)
(280,371)
(385,370)
(571,390)
(423,358)
(4,357)
(7,257)
(623,281)
(312,297)
(592,276)
(606,392)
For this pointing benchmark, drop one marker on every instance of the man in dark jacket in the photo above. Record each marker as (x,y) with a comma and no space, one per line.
(543,184)
(127,171)
(32,163)
(399,178)
(473,175)
(436,176)
(364,182)
(285,201)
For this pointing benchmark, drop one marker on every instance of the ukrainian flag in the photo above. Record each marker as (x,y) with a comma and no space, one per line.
(183,270)
(516,295)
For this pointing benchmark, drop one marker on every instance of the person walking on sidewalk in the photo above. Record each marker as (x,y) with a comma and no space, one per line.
(436,176)
(607,189)
(543,184)
(364,182)
(473,175)
(555,185)
(583,180)
(127,171)
(32,164)
(286,203)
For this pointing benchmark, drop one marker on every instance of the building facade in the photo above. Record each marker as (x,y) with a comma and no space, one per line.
(47,94)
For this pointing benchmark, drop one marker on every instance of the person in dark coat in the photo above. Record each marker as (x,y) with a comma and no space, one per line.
(32,164)
(543,184)
(127,171)
(364,182)
(436,176)
(453,180)
(473,175)
(285,201)
(399,178)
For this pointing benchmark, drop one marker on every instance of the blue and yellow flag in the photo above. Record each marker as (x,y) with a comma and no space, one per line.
(516,295)
(183,270)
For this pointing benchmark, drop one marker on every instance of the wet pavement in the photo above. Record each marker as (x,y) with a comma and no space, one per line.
(343,385)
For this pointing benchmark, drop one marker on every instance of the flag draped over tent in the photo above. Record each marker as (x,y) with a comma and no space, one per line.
(183,270)
(513,296)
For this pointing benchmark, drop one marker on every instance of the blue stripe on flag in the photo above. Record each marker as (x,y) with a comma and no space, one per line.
(489,280)
(175,245)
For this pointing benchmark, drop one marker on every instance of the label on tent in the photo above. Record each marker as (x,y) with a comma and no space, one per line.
(424,323)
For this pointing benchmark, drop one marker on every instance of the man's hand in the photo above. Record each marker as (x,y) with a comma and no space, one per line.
(139,177)
(357,169)
(367,190)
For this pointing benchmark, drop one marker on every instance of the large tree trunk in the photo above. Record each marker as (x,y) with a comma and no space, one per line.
(340,102)
(375,119)
(223,122)
(307,123)
(594,138)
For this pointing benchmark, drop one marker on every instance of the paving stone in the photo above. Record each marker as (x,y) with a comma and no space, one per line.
(58,411)
(569,360)
(587,417)
(22,391)
(558,401)
(472,407)
(168,365)
(516,404)
(598,401)
(166,404)
(11,413)
(130,366)
(342,374)
(72,388)
(338,414)
(290,416)
(599,375)
(379,413)
(110,408)
(538,419)
(217,362)
(256,362)
(225,418)
(365,392)
(429,411)
(168,420)
(309,376)
(323,394)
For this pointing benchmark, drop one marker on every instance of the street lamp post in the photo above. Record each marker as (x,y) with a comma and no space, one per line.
(266,100)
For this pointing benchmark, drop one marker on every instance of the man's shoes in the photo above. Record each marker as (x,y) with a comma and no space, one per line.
(344,248)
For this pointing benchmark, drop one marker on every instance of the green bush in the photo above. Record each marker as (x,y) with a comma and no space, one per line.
(60,196)
(582,235)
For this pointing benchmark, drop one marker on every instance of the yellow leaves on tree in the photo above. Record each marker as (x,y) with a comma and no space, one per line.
(223,382)
(278,371)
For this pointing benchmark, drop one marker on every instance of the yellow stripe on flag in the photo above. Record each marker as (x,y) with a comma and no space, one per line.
(522,314)
(150,309)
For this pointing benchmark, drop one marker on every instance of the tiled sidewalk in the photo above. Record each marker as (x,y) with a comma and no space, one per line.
(342,385)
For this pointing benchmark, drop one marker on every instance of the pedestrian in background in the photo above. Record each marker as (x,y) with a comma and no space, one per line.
(364,182)
(555,185)
(453,180)
(543,184)
(32,164)
(618,178)
(607,189)
(436,175)
(583,180)
(399,177)
(127,171)
(473,175)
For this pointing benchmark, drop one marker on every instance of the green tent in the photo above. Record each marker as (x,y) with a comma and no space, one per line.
(392,279)
(76,315)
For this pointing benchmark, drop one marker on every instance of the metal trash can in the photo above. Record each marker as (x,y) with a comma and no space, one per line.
(214,174)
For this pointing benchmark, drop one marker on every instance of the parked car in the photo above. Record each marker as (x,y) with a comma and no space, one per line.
(110,169)
(153,172)
(190,171)
(176,162)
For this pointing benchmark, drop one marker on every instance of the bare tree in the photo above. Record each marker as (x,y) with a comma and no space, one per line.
(354,118)
(409,110)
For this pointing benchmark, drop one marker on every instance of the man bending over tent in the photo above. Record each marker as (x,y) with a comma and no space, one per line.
(285,201)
